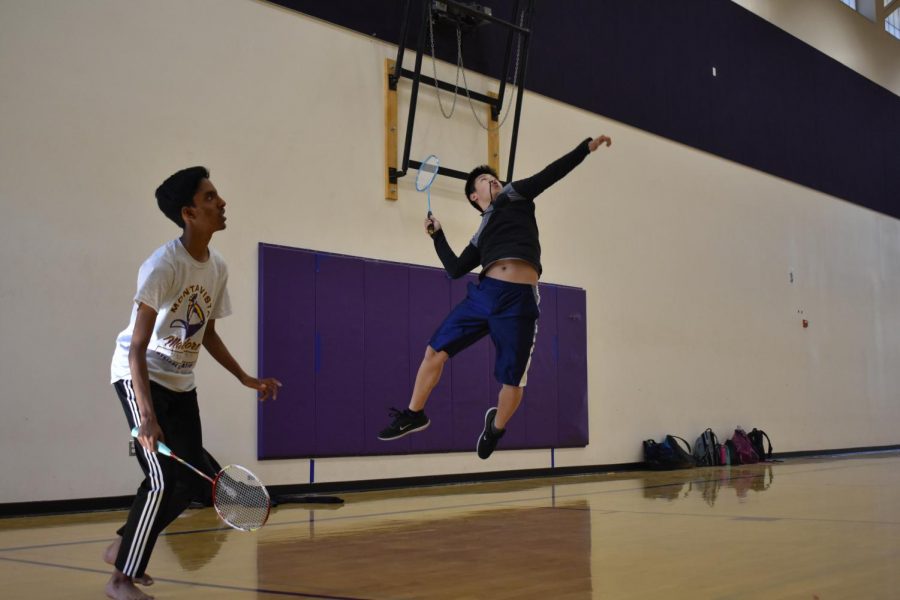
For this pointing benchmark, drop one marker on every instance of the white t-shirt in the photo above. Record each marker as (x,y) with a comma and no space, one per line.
(186,294)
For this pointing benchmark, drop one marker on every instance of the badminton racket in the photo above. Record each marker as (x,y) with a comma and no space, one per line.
(239,497)
(428,171)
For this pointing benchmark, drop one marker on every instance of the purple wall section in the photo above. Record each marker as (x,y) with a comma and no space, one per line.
(287,346)
(345,335)
(470,383)
(571,323)
(773,105)
(429,303)
(385,359)
(340,320)
(541,418)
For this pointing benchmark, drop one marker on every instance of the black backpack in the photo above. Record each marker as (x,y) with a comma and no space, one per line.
(756,438)
(668,454)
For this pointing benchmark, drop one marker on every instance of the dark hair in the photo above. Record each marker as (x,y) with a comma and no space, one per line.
(470,182)
(178,191)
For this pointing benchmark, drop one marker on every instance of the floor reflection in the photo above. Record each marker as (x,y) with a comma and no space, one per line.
(486,553)
(708,482)
(181,540)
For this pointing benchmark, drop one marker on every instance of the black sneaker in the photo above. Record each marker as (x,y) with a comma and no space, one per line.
(487,441)
(405,422)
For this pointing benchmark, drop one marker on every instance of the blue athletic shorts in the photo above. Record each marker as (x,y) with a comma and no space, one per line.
(509,312)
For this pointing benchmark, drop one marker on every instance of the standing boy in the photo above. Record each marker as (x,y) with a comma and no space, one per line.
(181,291)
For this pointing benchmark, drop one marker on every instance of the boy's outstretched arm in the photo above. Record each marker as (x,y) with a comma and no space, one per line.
(532,187)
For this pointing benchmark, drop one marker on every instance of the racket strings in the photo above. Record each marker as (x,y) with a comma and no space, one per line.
(427,172)
(241,499)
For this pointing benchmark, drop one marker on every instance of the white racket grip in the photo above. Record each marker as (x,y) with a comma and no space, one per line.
(160,446)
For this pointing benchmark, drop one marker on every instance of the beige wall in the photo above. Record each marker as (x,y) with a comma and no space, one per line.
(686,258)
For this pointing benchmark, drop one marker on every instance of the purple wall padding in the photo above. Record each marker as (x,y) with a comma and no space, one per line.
(571,323)
(470,382)
(287,331)
(346,335)
(429,303)
(541,418)
(386,354)
(340,352)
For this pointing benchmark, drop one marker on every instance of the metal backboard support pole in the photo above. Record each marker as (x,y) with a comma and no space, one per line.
(394,71)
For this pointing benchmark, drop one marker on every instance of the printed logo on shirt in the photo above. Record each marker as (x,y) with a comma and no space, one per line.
(191,309)
(195,319)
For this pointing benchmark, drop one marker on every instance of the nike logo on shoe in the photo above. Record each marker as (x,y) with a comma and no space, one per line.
(405,427)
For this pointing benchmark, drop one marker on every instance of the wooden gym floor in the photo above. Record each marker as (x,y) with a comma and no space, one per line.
(815,528)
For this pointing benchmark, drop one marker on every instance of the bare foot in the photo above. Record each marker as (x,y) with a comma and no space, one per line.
(109,557)
(120,587)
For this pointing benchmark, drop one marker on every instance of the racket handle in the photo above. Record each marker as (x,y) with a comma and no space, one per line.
(430,225)
(163,449)
(160,446)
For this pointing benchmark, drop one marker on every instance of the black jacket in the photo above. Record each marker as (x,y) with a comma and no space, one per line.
(508,226)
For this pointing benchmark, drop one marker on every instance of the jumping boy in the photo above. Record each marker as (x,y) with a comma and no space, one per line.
(505,301)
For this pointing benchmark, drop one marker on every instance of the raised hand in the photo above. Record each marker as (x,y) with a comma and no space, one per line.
(595,143)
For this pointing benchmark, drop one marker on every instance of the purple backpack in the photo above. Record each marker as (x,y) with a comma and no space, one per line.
(743,448)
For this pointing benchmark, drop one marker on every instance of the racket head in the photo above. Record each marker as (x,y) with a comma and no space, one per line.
(241,499)
(428,170)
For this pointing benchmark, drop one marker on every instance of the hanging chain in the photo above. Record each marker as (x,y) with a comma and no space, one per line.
(484,125)
(461,67)
(434,68)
